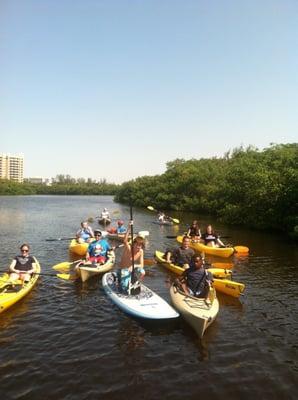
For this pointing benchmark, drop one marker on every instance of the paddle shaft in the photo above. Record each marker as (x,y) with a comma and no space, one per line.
(58,239)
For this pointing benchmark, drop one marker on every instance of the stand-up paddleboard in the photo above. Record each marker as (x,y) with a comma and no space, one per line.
(146,304)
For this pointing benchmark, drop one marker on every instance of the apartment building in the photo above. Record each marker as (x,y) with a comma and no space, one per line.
(12,167)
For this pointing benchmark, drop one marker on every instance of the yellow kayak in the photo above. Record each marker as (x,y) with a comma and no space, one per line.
(215,251)
(199,313)
(226,286)
(10,295)
(216,272)
(78,248)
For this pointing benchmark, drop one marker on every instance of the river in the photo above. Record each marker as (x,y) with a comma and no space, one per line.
(66,340)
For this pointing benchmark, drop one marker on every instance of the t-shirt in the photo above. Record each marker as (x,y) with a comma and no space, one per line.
(98,248)
(181,256)
(209,237)
(196,281)
(24,263)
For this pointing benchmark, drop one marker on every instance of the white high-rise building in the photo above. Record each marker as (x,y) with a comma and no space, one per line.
(12,167)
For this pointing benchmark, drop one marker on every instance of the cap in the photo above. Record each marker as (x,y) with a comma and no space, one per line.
(97,232)
(120,222)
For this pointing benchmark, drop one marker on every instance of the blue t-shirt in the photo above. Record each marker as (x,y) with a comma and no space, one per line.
(121,229)
(98,248)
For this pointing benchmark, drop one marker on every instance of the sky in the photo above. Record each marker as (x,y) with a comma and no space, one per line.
(116,89)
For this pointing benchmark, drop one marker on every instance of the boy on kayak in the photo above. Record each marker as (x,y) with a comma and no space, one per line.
(98,249)
(182,255)
(126,269)
(22,266)
(196,280)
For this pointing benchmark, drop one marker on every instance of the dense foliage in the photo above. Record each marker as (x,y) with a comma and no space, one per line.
(247,186)
(63,185)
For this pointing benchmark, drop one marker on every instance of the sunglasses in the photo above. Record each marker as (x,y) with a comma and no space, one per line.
(25,250)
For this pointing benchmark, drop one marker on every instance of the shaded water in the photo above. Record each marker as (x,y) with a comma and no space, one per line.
(66,340)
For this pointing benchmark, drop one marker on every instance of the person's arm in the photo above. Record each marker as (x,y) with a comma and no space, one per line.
(91,232)
(88,253)
(12,266)
(125,239)
(218,241)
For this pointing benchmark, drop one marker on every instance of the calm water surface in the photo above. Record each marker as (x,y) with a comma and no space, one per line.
(66,340)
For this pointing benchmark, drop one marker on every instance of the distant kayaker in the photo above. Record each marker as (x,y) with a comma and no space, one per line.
(98,249)
(210,238)
(105,214)
(121,229)
(194,231)
(22,266)
(182,255)
(125,271)
(196,280)
(85,234)
(161,217)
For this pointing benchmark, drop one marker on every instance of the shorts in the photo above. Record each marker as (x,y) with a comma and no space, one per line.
(98,259)
(125,276)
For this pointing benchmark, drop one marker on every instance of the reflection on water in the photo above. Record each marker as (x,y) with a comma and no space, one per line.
(66,339)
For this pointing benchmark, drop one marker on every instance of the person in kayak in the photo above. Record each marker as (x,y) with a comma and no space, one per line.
(105,214)
(97,251)
(181,255)
(22,266)
(125,266)
(194,231)
(85,234)
(210,238)
(120,227)
(196,280)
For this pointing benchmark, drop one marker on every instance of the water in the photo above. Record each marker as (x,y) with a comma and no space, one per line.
(66,340)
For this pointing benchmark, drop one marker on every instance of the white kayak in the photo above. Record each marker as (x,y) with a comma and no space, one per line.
(199,313)
(87,270)
(146,304)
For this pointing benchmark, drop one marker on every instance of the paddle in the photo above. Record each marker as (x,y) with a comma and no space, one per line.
(175,236)
(58,239)
(65,266)
(172,219)
(34,273)
(133,290)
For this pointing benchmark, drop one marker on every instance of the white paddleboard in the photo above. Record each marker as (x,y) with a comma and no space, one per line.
(146,304)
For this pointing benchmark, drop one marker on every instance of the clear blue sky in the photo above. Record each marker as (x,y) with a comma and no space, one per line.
(116,89)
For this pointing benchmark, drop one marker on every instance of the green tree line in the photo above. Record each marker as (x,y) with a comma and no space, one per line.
(249,187)
(62,185)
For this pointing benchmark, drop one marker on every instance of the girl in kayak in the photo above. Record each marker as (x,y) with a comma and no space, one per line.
(22,266)
(210,238)
(194,231)
(85,234)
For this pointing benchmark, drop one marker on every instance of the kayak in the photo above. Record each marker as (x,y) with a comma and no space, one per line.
(216,272)
(199,313)
(146,304)
(215,251)
(226,286)
(78,248)
(10,295)
(86,271)
(104,221)
(163,223)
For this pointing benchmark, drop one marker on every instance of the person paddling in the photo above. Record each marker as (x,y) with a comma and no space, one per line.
(180,255)
(22,266)
(196,280)
(126,266)
(211,239)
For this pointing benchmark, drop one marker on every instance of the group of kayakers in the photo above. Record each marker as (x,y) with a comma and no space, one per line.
(194,281)
(209,237)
